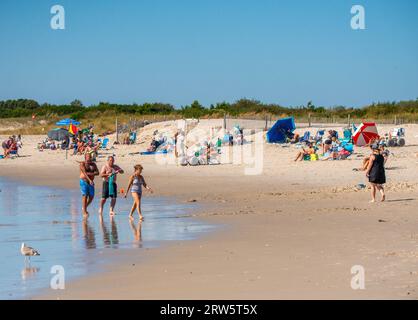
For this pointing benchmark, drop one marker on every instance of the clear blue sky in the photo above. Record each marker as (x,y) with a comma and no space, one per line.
(281,51)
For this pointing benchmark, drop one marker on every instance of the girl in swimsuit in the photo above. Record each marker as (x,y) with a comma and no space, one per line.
(136,182)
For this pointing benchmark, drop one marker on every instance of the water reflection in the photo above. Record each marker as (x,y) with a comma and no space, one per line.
(50,220)
(137,232)
(89,235)
(110,239)
(28,272)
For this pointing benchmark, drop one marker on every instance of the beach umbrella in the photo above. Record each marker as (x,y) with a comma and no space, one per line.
(73,129)
(280,130)
(58,134)
(365,133)
(67,122)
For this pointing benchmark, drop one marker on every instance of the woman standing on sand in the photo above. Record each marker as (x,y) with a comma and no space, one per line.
(376,173)
(136,181)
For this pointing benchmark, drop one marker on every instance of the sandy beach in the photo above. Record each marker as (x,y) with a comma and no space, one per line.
(293,231)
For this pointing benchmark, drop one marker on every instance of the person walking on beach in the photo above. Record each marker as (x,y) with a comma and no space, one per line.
(376,173)
(88,170)
(136,181)
(109,174)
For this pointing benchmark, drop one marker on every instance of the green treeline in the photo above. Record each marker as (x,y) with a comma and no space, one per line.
(27,107)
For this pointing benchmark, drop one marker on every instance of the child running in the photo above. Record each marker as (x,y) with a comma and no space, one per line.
(136,181)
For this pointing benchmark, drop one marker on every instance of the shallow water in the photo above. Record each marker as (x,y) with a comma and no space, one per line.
(50,220)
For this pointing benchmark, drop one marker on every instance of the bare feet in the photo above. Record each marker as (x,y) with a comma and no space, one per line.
(141,218)
(372,201)
(131,217)
(383,199)
(112,213)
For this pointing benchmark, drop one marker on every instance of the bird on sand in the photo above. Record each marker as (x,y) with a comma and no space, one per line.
(28,251)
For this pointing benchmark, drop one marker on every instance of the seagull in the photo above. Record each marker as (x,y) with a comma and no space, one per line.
(28,251)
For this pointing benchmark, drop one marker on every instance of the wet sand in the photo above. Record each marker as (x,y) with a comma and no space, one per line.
(295,231)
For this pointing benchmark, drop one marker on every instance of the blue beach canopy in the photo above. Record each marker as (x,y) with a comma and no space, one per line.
(277,134)
(67,122)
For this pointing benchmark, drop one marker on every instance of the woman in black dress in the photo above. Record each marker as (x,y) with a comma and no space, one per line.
(376,173)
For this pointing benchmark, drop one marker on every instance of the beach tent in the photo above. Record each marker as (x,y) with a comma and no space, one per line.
(58,134)
(365,133)
(67,122)
(278,133)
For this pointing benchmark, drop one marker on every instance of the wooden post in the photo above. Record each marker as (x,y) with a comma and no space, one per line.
(224,120)
(396,120)
(117,131)
(309,120)
(349,120)
(266,125)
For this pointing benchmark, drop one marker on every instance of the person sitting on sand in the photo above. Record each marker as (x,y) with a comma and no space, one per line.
(92,149)
(384,152)
(376,173)
(52,145)
(295,138)
(334,149)
(109,174)
(305,152)
(80,147)
(326,143)
(19,141)
(136,181)
(88,170)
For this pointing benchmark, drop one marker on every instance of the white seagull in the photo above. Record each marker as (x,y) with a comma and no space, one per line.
(28,251)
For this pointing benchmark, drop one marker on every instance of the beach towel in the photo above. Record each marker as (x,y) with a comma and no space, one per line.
(146,153)
(112,185)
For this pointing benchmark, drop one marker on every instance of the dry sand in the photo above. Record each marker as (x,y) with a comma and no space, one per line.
(293,231)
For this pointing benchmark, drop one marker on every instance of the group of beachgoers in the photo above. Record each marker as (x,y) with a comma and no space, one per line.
(11,146)
(109,173)
(373,165)
(329,144)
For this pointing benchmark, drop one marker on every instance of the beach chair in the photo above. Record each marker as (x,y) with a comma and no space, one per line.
(104,143)
(319,135)
(132,138)
(347,136)
(306,137)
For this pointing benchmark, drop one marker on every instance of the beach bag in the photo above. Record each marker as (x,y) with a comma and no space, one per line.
(112,191)
(183,161)
(314,157)
(194,161)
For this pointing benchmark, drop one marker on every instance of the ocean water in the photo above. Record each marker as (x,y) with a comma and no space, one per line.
(50,220)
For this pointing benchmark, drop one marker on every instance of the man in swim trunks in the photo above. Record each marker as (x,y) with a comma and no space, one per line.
(109,171)
(88,170)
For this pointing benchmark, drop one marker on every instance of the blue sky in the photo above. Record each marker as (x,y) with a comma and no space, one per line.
(279,51)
